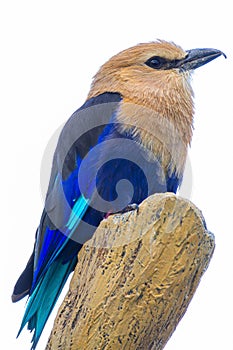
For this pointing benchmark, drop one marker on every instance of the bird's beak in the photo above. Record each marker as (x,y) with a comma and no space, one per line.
(198,57)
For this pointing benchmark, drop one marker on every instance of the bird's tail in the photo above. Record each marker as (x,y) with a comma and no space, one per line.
(44,297)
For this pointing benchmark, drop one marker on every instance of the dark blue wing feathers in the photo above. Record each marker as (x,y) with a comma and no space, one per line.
(65,194)
(55,254)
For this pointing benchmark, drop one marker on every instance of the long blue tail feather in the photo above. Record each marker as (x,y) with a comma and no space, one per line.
(44,297)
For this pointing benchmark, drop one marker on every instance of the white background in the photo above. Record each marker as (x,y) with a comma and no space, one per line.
(49,52)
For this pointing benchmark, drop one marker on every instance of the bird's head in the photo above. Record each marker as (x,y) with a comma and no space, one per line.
(155,77)
(150,70)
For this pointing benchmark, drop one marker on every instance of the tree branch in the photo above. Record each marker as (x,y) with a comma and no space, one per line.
(135,278)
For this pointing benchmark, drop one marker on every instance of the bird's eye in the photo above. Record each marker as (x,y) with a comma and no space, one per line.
(155,62)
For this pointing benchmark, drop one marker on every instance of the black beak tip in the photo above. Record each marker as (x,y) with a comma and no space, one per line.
(220,53)
(224,55)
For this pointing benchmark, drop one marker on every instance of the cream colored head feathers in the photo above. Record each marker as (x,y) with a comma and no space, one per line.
(166,92)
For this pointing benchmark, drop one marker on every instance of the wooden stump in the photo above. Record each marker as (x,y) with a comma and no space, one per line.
(135,278)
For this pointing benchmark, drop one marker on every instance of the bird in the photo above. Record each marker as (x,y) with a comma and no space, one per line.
(127,141)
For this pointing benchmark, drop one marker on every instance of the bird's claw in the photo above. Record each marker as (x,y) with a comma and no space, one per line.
(130,207)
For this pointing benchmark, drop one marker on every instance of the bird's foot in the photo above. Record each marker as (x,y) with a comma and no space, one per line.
(130,207)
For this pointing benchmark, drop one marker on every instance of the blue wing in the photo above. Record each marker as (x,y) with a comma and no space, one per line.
(56,246)
(65,205)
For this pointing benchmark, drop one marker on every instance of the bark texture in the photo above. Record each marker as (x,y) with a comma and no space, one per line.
(135,278)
